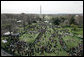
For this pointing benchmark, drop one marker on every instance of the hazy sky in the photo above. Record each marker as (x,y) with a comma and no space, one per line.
(49,7)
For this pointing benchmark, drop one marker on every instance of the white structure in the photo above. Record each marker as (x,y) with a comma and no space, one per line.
(76,15)
(19,21)
(47,17)
(80,36)
(7,33)
(4,41)
(46,21)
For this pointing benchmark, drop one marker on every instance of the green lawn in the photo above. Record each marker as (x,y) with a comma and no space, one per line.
(71,41)
(29,38)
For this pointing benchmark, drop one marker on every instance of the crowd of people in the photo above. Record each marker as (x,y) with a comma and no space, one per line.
(49,46)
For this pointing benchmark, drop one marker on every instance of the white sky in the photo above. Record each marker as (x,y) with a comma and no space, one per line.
(48,7)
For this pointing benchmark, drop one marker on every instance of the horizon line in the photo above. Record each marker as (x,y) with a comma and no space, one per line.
(42,13)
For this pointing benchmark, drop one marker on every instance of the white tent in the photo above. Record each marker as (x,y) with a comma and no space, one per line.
(19,21)
(4,41)
(7,33)
(46,21)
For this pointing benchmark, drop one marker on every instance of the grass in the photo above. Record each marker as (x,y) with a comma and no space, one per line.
(29,38)
(78,31)
(57,52)
(71,41)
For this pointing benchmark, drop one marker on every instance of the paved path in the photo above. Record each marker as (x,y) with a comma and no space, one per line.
(4,53)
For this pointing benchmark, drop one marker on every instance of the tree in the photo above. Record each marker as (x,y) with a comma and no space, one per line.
(74,27)
(24,19)
(62,19)
(56,21)
(79,20)
(72,20)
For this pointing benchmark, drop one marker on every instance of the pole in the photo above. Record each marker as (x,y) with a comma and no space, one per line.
(40,10)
